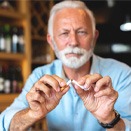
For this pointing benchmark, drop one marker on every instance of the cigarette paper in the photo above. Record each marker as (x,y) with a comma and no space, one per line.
(69,82)
(76,83)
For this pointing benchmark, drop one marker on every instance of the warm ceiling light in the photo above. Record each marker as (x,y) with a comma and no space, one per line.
(127,25)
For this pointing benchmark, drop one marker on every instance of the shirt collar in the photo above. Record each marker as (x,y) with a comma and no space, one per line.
(94,65)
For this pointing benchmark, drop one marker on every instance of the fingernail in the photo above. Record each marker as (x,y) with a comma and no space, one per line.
(86,86)
(96,89)
(62,84)
(58,89)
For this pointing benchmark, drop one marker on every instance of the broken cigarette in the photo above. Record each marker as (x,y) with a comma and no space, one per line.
(82,87)
(76,83)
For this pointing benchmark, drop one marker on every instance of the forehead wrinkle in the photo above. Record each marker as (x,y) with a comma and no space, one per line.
(68,27)
(69,19)
(70,23)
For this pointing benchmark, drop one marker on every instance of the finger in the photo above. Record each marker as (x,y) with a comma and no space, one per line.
(107,92)
(64,89)
(103,83)
(61,81)
(78,90)
(62,92)
(37,103)
(63,86)
(38,96)
(41,87)
(33,100)
(90,80)
(50,81)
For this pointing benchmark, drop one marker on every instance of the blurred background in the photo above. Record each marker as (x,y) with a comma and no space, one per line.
(23,45)
(113,19)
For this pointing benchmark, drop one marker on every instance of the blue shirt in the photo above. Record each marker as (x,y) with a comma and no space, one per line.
(70,114)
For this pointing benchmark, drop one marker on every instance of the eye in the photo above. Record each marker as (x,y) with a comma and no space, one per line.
(82,32)
(64,34)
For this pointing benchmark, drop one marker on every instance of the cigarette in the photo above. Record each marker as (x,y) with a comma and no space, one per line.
(82,87)
(74,82)
(68,83)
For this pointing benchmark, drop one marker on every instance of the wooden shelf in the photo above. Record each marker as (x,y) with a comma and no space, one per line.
(41,51)
(38,38)
(6,100)
(19,16)
(22,16)
(41,62)
(11,56)
(11,14)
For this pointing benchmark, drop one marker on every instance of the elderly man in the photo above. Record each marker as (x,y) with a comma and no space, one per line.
(78,92)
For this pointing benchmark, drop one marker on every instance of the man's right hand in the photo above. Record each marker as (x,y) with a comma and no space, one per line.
(45,95)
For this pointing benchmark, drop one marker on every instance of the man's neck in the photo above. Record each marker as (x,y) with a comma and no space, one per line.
(76,74)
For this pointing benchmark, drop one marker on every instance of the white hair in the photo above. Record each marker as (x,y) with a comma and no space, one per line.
(68,4)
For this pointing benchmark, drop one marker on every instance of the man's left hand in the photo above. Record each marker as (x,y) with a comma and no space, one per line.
(100,98)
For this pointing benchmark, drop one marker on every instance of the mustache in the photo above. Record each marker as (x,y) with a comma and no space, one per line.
(75,50)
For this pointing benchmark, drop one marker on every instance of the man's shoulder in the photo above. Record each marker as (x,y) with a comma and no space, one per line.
(112,64)
(112,61)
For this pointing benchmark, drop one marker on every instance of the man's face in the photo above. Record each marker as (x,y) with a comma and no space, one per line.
(73,37)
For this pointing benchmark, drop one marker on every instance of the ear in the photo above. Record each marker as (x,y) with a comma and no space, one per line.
(96,36)
(49,39)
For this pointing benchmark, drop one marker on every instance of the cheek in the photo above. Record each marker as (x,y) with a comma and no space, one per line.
(86,43)
(61,44)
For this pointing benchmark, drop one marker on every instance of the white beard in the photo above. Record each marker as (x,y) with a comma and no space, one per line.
(72,61)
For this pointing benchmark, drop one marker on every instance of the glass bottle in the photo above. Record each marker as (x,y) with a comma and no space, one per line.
(7,81)
(14,32)
(1,80)
(7,36)
(2,40)
(21,42)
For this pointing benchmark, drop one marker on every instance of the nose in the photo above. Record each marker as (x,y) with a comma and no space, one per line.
(73,40)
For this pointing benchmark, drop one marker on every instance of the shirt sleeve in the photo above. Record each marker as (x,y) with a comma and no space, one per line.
(127,125)
(6,116)
(123,103)
(19,104)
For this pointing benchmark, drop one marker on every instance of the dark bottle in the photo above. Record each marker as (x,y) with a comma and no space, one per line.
(19,78)
(7,37)
(1,80)
(21,42)
(14,32)
(2,40)
(13,76)
(7,81)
